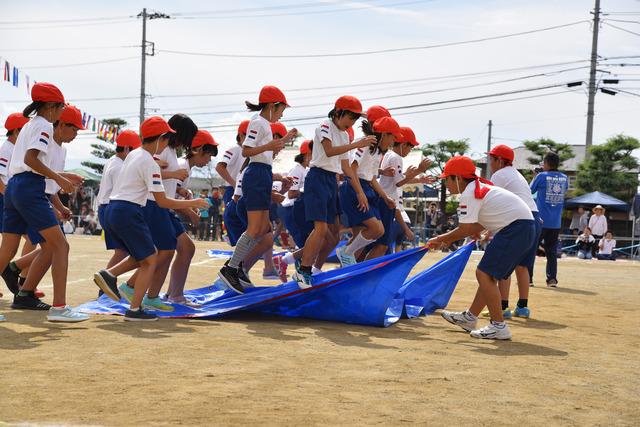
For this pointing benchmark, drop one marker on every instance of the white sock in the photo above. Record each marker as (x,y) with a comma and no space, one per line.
(288,258)
(358,243)
(499,325)
(470,316)
(315,270)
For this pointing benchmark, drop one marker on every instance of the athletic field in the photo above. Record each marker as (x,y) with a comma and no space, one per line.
(575,362)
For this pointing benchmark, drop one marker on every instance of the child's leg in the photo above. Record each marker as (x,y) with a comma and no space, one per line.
(118,255)
(504,286)
(39,267)
(373,231)
(145,276)
(314,243)
(377,251)
(25,261)
(162,264)
(58,245)
(522,275)
(124,266)
(8,248)
(491,294)
(185,250)
(258,225)
(267,255)
(331,240)
(264,247)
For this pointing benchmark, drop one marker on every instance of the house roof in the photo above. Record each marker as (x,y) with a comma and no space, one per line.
(522,155)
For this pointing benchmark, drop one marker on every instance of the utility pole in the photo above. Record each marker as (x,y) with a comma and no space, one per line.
(592,78)
(144,15)
(487,172)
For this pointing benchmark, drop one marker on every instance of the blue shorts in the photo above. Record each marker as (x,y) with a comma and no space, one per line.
(129,228)
(508,249)
(285,213)
(241,211)
(273,212)
(349,203)
(232,223)
(387,216)
(178,226)
(159,221)
(228,194)
(1,210)
(321,196)
(26,206)
(109,241)
(303,227)
(530,260)
(256,186)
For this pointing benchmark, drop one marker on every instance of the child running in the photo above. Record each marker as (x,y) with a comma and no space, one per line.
(232,160)
(510,221)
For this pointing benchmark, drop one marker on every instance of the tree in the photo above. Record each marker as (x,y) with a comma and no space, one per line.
(612,168)
(542,146)
(440,153)
(102,150)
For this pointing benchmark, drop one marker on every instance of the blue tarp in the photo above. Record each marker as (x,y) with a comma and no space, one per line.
(597,198)
(369,293)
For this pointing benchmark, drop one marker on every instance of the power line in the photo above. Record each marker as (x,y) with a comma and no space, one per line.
(375,52)
(622,29)
(57,48)
(106,61)
(57,21)
(623,20)
(627,92)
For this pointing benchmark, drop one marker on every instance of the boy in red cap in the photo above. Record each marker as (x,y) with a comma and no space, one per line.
(125,218)
(504,175)
(26,204)
(330,157)
(260,147)
(510,221)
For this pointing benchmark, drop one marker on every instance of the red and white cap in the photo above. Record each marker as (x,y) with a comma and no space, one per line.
(155,126)
(71,115)
(271,94)
(203,137)
(46,92)
(15,121)
(128,138)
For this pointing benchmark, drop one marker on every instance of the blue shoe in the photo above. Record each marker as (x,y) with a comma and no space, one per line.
(303,279)
(155,304)
(2,318)
(344,258)
(522,312)
(66,314)
(506,313)
(126,291)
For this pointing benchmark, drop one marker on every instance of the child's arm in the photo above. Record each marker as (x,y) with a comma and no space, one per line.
(31,160)
(275,145)
(180,174)
(221,168)
(331,151)
(388,200)
(3,187)
(460,232)
(413,172)
(65,212)
(168,203)
(405,228)
(347,170)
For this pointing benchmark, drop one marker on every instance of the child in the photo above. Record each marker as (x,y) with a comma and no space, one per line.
(126,142)
(606,247)
(329,158)
(26,205)
(504,175)
(260,147)
(125,218)
(510,221)
(585,243)
(229,167)
(364,219)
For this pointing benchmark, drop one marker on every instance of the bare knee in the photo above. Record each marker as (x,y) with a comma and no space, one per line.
(149,261)
(377,230)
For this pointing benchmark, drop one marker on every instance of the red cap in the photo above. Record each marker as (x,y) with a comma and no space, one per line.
(15,121)
(155,126)
(271,94)
(351,134)
(502,152)
(279,129)
(244,125)
(203,137)
(388,125)
(46,92)
(71,115)
(305,147)
(128,138)
(463,166)
(408,136)
(349,103)
(377,112)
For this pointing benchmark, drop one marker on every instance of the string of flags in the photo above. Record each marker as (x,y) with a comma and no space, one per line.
(12,75)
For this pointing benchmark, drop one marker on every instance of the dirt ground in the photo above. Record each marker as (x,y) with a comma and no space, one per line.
(572,363)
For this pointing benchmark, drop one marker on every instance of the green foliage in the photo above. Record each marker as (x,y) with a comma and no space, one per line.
(612,168)
(103,151)
(542,146)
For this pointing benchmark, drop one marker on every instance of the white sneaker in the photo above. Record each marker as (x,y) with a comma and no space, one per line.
(2,318)
(66,314)
(345,259)
(460,318)
(493,331)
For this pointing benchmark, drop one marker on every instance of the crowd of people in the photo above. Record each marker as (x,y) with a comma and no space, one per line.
(340,182)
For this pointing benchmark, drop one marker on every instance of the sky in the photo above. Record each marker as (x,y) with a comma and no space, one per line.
(75,32)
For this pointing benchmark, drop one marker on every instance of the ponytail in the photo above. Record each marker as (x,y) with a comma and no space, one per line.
(32,108)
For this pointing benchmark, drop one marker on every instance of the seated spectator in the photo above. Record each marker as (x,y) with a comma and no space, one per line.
(606,247)
(585,243)
(90,222)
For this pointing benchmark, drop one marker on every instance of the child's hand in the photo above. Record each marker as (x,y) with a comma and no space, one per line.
(277,145)
(391,204)
(290,136)
(409,235)
(390,171)
(277,197)
(66,185)
(180,174)
(199,204)
(436,243)
(163,164)
(363,203)
(424,165)
(364,142)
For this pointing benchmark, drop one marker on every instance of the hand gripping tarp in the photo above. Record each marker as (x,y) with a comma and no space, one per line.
(367,293)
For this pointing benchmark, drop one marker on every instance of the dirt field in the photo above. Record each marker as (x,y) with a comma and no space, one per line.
(574,363)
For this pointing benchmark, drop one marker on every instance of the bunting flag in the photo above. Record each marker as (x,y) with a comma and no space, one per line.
(6,76)
(15,76)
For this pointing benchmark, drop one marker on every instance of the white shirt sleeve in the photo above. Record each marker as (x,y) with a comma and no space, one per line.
(153,178)
(499,179)
(468,209)
(40,142)
(255,133)
(296,174)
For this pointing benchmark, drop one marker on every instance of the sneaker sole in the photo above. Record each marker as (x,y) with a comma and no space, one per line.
(26,307)
(228,285)
(100,282)
(153,308)
(66,320)
(490,338)
(134,319)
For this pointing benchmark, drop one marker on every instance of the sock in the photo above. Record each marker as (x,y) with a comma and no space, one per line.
(469,315)
(22,293)
(245,244)
(288,258)
(522,303)
(306,269)
(358,243)
(21,281)
(315,270)
(505,304)
(14,267)
(499,325)
(59,306)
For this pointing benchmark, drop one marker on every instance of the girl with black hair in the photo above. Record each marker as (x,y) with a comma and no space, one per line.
(260,147)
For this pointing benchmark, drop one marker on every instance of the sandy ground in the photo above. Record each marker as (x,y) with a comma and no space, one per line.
(575,362)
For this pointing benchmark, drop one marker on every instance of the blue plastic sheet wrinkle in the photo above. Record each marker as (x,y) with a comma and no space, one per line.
(369,293)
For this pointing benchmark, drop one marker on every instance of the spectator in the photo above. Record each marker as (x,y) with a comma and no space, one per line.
(214,214)
(579,221)
(598,222)
(204,230)
(549,187)
(606,247)
(91,222)
(585,243)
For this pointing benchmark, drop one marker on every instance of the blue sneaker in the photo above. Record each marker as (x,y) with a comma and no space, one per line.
(66,314)
(522,312)
(2,318)
(344,258)
(126,291)
(155,304)
(506,313)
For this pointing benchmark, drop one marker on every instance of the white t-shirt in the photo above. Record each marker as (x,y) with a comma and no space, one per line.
(110,172)
(140,174)
(393,160)
(6,150)
(259,134)
(495,211)
(37,134)
(510,179)
(607,246)
(234,160)
(338,138)
(170,185)
(598,224)
(183,164)
(57,154)
(238,190)
(368,163)
(298,173)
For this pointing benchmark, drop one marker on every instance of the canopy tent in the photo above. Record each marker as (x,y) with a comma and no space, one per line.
(88,176)
(597,198)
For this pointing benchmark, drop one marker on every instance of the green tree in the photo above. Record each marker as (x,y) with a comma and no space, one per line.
(542,146)
(440,153)
(103,151)
(612,168)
